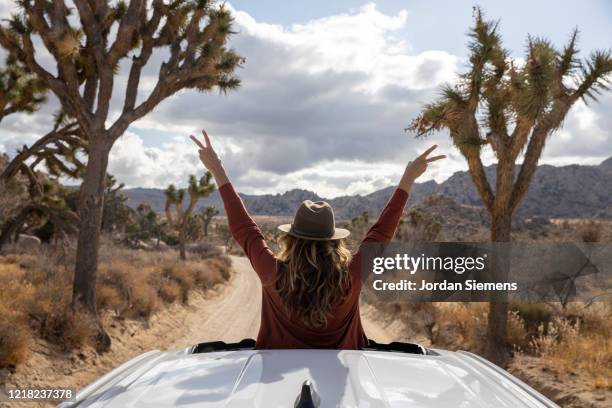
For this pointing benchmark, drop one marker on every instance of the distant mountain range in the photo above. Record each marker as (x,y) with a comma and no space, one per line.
(573,191)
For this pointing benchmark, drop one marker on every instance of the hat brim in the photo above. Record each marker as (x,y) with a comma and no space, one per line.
(339,233)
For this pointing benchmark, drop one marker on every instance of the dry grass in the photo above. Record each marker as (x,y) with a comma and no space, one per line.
(590,231)
(35,299)
(579,343)
(573,340)
(14,338)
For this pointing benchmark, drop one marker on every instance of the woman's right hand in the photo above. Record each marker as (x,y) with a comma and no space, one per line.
(210,159)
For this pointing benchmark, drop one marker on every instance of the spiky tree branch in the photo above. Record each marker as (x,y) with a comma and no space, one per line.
(20,90)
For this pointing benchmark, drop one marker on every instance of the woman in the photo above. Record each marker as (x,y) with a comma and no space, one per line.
(310,291)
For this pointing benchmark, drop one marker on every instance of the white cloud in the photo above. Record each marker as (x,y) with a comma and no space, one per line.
(138,165)
(362,42)
(322,107)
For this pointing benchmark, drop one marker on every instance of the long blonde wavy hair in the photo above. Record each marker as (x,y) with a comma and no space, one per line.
(313,277)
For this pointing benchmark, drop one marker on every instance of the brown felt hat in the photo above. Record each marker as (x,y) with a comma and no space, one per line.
(314,220)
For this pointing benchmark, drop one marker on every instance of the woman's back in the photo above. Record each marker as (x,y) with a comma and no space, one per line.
(284,326)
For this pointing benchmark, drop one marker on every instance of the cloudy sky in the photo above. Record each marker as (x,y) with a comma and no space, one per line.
(328,88)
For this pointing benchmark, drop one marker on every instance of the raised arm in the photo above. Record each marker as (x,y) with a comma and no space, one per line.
(244,230)
(384,229)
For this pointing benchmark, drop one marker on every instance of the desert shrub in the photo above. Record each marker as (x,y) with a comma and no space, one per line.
(108,297)
(205,250)
(462,326)
(183,276)
(171,281)
(54,319)
(518,337)
(134,295)
(68,329)
(36,292)
(589,231)
(221,264)
(534,315)
(144,302)
(594,318)
(169,291)
(567,347)
(203,276)
(14,338)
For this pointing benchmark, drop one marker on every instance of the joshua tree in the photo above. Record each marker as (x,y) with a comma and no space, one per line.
(512,107)
(174,198)
(116,214)
(46,204)
(58,151)
(20,90)
(87,49)
(207,214)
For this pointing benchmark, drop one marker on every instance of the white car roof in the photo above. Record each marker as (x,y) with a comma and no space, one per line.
(340,378)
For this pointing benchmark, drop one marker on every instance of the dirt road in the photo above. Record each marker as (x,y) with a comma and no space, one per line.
(234,313)
(231,315)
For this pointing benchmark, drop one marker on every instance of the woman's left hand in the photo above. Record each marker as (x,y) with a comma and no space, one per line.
(210,159)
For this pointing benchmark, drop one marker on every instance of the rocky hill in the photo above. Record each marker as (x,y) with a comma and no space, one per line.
(573,191)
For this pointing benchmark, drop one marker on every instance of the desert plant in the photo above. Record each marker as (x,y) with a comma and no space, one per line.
(116,214)
(174,199)
(207,214)
(20,89)
(46,204)
(14,338)
(512,107)
(87,51)
(590,231)
(225,233)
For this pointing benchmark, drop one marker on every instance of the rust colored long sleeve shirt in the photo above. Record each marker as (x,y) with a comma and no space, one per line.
(278,328)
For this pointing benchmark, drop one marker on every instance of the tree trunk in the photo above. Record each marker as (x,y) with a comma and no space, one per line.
(497,327)
(206,224)
(91,204)
(182,252)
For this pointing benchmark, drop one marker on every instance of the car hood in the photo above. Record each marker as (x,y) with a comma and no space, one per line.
(273,378)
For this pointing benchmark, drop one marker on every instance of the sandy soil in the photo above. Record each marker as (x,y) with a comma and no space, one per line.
(229,312)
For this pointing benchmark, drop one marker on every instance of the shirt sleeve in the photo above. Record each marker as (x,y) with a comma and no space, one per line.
(248,235)
(382,232)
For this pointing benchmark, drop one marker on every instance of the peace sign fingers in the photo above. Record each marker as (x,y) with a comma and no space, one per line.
(424,155)
(196,141)
(433,159)
(207,139)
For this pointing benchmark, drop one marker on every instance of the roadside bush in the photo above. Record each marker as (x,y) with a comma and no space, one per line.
(205,250)
(169,291)
(67,328)
(462,326)
(534,315)
(518,337)
(223,265)
(567,347)
(143,303)
(36,292)
(590,231)
(107,297)
(15,338)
